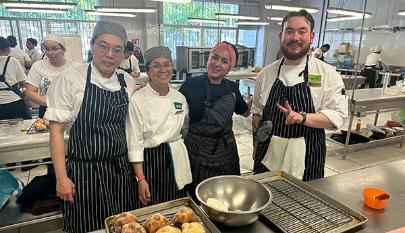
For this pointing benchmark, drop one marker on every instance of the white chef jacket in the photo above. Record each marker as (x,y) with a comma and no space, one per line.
(65,95)
(154,119)
(20,55)
(43,72)
(134,63)
(14,74)
(328,98)
(373,59)
(33,54)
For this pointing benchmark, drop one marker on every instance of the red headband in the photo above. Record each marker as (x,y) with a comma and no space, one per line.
(228,47)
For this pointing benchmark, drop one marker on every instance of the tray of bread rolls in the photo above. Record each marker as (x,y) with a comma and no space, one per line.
(39,126)
(177,216)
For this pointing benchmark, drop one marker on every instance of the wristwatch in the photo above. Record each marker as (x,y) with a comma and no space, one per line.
(304,117)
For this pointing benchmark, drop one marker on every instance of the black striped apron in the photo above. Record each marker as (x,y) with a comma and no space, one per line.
(97,161)
(159,173)
(211,143)
(300,99)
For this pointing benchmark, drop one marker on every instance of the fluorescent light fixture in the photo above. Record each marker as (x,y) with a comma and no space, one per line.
(235,16)
(276,18)
(125,10)
(291,8)
(341,11)
(344,18)
(202,20)
(174,1)
(41,5)
(252,23)
(401,12)
(279,23)
(91,12)
(35,10)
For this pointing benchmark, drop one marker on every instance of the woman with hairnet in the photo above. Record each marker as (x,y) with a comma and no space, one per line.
(157,114)
(372,65)
(90,102)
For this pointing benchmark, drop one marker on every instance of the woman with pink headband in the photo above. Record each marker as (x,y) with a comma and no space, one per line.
(212,100)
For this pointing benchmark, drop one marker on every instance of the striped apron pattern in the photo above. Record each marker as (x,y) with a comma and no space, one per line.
(97,161)
(210,143)
(159,173)
(300,100)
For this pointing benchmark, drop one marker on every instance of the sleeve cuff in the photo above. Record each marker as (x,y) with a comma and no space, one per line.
(255,110)
(135,155)
(53,114)
(335,118)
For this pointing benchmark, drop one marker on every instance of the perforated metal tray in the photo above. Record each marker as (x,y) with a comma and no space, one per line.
(297,207)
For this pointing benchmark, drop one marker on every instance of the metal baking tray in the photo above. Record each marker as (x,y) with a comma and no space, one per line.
(169,209)
(298,207)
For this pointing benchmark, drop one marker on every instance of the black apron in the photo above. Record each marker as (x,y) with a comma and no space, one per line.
(370,74)
(159,173)
(97,161)
(300,100)
(210,142)
(129,70)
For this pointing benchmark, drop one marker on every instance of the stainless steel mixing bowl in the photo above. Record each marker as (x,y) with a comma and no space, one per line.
(245,198)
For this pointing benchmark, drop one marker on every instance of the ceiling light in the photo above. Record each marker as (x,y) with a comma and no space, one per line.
(252,23)
(36,10)
(344,18)
(340,11)
(202,20)
(276,18)
(90,12)
(174,1)
(235,16)
(280,23)
(125,10)
(41,5)
(291,8)
(401,12)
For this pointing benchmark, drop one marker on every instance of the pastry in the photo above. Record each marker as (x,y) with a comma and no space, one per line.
(133,227)
(193,227)
(184,215)
(169,229)
(123,219)
(39,125)
(155,222)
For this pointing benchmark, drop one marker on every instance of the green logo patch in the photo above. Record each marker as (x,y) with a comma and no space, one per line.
(177,105)
(314,80)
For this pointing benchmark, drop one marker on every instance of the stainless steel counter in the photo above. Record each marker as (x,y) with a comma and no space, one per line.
(347,188)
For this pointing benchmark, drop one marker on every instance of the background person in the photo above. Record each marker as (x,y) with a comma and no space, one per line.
(130,63)
(31,50)
(19,54)
(373,65)
(320,52)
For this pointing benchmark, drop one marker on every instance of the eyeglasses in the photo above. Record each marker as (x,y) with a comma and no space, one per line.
(157,67)
(104,48)
(52,49)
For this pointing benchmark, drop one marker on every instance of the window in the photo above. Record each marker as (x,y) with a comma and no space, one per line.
(192,37)
(210,37)
(228,35)
(247,37)
(173,37)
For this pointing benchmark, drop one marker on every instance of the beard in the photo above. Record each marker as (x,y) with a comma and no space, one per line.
(294,55)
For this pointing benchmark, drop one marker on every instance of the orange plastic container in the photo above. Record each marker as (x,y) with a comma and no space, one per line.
(372,198)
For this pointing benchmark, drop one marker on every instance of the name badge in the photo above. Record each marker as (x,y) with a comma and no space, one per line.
(314,80)
(178,107)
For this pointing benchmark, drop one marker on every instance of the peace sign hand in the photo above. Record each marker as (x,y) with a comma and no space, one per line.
(291,117)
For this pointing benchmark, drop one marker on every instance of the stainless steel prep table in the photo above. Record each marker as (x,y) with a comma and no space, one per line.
(347,188)
(18,146)
(372,99)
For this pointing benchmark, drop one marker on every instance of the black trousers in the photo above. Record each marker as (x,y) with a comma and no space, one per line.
(370,75)
(13,110)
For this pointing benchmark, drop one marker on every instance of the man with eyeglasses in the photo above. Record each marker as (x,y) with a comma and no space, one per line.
(90,102)
(295,99)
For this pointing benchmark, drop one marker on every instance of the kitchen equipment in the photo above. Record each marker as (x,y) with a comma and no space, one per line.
(168,209)
(243,197)
(375,198)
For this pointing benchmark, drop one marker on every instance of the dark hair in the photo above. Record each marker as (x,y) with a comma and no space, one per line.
(235,49)
(32,41)
(326,46)
(129,47)
(12,40)
(303,13)
(4,44)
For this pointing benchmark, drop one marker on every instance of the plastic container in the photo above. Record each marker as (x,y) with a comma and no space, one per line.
(372,200)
